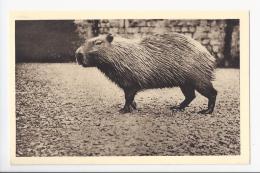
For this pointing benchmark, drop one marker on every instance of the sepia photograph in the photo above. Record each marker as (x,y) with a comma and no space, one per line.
(95,87)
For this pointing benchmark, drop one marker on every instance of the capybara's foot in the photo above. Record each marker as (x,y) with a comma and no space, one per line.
(177,108)
(133,105)
(206,111)
(212,95)
(126,109)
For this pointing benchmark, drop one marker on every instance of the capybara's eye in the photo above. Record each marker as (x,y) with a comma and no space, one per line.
(98,42)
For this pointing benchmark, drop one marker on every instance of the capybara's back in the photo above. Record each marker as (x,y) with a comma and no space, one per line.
(155,61)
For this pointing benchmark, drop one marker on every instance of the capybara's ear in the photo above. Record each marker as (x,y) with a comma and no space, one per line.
(109,38)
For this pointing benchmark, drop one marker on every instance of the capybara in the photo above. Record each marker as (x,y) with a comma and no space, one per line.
(154,61)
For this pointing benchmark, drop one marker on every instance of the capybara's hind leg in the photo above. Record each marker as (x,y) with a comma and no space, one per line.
(189,93)
(129,101)
(209,92)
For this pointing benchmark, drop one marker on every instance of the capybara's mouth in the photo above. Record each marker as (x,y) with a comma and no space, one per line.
(84,65)
(80,60)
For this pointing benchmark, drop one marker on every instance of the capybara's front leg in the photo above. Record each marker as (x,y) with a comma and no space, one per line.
(129,101)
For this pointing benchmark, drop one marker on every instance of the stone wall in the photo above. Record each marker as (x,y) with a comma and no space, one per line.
(57,40)
(210,33)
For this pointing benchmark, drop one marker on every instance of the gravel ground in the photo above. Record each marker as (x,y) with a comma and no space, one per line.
(67,110)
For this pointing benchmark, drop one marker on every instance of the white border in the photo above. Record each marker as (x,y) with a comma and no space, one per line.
(243,158)
(252,5)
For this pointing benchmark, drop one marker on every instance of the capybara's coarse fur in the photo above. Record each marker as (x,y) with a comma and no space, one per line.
(154,61)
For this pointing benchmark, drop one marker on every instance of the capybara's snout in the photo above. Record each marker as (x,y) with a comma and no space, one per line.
(79,58)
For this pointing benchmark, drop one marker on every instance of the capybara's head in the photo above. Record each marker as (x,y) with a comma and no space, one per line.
(86,53)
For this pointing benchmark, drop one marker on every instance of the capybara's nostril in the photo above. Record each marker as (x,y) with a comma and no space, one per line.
(79,58)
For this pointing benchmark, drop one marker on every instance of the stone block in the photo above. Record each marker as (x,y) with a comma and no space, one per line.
(132,23)
(214,42)
(220,55)
(215,48)
(113,30)
(121,30)
(172,29)
(190,23)
(144,29)
(133,30)
(213,23)
(184,29)
(151,23)
(138,23)
(127,23)
(114,23)
(188,34)
(205,41)
(121,23)
(104,21)
(160,23)
(214,34)
(160,30)
(203,23)
(206,28)
(104,25)
(192,28)
(167,23)
(195,22)
(105,30)
(181,23)
(177,28)
(222,24)
(173,22)
(200,35)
